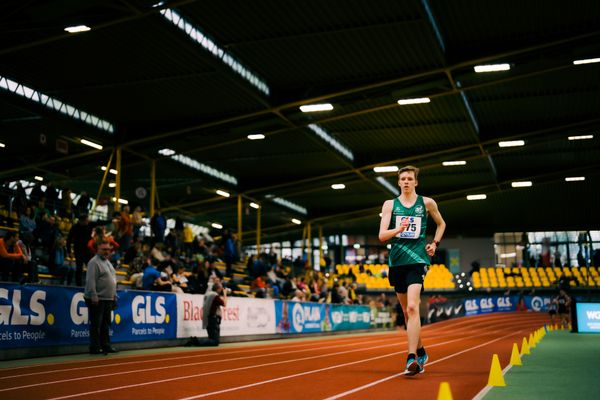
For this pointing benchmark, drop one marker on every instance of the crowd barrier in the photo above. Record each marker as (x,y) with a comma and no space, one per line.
(35,316)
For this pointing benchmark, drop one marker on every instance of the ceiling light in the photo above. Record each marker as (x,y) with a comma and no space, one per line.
(38,178)
(476,197)
(216,226)
(420,100)
(380,214)
(223,193)
(122,201)
(287,203)
(512,143)
(296,221)
(112,184)
(386,168)
(586,61)
(521,184)
(77,29)
(356,246)
(197,165)
(256,136)
(254,205)
(453,163)
(581,137)
(338,186)
(91,144)
(575,179)
(316,107)
(491,68)
(112,171)
(166,152)
(2,145)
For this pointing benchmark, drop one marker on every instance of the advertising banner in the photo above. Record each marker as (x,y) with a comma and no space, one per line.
(299,317)
(441,311)
(588,317)
(32,316)
(242,316)
(347,317)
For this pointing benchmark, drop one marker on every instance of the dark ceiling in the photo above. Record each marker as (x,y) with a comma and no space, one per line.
(158,88)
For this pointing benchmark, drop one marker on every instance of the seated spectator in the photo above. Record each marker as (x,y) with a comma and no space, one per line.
(29,265)
(298,296)
(27,221)
(180,278)
(10,257)
(135,272)
(259,287)
(63,268)
(98,236)
(152,280)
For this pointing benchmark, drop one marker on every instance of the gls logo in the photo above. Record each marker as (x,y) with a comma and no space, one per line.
(487,303)
(144,311)
(471,305)
(11,314)
(79,310)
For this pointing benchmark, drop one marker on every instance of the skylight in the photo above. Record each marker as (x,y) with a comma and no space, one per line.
(288,204)
(197,165)
(54,104)
(331,141)
(195,34)
(388,186)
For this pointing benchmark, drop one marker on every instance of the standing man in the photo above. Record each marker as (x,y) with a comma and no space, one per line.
(404,221)
(100,296)
(212,313)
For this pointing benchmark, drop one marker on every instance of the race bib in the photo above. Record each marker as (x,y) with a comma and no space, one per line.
(414,227)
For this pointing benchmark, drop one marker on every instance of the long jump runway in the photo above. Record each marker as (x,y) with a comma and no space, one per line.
(359,366)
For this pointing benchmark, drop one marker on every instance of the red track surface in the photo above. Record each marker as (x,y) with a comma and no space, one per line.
(368,366)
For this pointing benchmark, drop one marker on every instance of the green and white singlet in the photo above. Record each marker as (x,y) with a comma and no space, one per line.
(409,246)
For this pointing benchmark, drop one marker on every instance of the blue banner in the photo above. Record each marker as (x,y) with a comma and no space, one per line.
(300,317)
(348,317)
(32,316)
(588,317)
(485,305)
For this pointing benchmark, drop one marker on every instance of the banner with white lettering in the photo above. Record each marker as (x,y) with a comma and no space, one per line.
(241,316)
(347,317)
(32,316)
(588,317)
(301,317)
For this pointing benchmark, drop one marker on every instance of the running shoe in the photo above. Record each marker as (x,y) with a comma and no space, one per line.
(412,367)
(422,360)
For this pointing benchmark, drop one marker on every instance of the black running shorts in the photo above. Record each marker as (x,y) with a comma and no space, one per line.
(401,277)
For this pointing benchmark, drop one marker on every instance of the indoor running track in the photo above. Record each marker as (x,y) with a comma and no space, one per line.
(358,366)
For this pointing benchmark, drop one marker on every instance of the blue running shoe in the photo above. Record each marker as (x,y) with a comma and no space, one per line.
(412,367)
(422,360)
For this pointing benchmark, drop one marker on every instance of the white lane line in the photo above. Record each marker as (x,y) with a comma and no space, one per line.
(306,373)
(358,389)
(201,355)
(180,365)
(207,353)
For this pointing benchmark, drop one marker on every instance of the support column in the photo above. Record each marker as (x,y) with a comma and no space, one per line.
(152,187)
(239,218)
(320,245)
(309,247)
(104,178)
(258,231)
(118,180)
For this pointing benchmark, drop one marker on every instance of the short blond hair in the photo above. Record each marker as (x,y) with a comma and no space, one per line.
(409,168)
